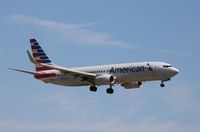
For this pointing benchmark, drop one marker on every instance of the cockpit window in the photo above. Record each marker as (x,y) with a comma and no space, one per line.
(166,66)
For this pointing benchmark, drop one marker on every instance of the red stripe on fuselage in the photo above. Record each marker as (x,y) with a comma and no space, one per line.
(48,75)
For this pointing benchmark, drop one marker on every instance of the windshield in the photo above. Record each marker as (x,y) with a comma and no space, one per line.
(166,66)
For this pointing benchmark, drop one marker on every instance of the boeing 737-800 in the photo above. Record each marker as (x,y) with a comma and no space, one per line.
(128,75)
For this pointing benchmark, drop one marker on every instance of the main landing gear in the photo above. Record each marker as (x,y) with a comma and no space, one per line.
(109,90)
(162,85)
(93,88)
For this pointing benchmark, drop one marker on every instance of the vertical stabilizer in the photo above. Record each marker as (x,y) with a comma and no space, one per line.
(39,56)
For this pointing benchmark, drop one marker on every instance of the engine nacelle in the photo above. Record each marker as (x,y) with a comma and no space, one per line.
(132,85)
(105,79)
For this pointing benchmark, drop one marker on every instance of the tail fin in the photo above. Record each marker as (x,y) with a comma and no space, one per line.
(39,56)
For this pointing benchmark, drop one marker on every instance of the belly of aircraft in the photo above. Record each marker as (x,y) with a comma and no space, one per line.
(120,78)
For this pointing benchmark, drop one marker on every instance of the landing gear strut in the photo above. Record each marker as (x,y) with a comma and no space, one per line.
(93,88)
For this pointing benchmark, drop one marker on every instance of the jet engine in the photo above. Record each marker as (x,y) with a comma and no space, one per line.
(105,79)
(131,85)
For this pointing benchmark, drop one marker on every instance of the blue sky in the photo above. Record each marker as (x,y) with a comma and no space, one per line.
(90,32)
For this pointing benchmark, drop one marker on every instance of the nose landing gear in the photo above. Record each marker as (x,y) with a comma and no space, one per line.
(162,82)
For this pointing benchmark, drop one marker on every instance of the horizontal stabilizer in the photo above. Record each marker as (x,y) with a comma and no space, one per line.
(27,72)
(30,57)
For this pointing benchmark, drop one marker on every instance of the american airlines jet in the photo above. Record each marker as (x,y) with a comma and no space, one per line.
(128,75)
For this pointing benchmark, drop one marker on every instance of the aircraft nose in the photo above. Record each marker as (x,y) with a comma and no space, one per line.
(174,71)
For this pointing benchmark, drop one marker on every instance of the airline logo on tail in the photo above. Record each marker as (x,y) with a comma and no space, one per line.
(39,56)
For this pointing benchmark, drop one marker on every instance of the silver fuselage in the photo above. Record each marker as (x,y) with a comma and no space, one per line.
(128,72)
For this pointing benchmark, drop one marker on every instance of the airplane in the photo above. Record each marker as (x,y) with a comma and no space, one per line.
(128,75)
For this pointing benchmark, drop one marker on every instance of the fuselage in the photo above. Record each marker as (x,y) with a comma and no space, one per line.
(124,73)
(128,75)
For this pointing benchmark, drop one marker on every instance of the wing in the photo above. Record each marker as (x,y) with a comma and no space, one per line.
(70,72)
(74,73)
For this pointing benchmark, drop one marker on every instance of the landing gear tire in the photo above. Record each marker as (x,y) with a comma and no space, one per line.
(162,85)
(110,91)
(93,88)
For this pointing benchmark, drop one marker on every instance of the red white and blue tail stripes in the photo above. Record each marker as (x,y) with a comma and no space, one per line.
(39,55)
